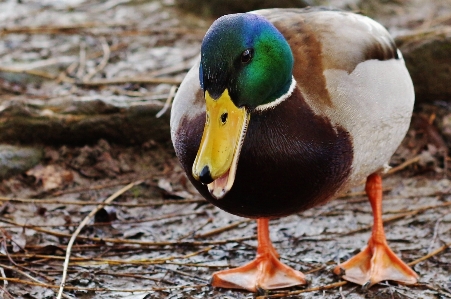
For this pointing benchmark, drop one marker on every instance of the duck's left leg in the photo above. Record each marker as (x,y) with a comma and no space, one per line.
(377,262)
(265,272)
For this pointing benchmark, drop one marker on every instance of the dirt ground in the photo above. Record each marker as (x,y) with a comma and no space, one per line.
(159,238)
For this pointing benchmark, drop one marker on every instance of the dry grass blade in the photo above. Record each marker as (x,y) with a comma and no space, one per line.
(50,286)
(326,287)
(103,63)
(80,227)
(127,80)
(94,203)
(167,104)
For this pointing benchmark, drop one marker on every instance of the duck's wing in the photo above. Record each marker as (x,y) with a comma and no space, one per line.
(350,71)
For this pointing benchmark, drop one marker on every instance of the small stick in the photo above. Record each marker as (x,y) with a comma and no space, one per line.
(167,104)
(321,288)
(398,168)
(103,62)
(125,80)
(45,285)
(167,216)
(434,236)
(82,63)
(398,217)
(78,29)
(222,229)
(5,283)
(80,227)
(403,165)
(94,203)
(183,66)
(209,220)
(435,252)
(95,187)
(38,73)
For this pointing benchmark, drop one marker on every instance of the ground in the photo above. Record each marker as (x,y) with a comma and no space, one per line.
(157,238)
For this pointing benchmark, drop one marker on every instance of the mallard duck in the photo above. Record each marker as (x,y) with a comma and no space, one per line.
(286,109)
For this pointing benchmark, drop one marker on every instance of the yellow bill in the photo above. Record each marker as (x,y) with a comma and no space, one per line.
(219,150)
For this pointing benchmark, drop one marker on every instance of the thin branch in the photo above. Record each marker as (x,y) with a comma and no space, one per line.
(126,80)
(403,165)
(315,289)
(118,222)
(103,62)
(398,217)
(24,274)
(45,285)
(95,203)
(82,63)
(33,72)
(167,104)
(427,256)
(80,227)
(222,229)
(97,187)
(77,29)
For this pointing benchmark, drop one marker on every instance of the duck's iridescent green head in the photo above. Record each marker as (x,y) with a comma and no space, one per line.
(245,63)
(248,56)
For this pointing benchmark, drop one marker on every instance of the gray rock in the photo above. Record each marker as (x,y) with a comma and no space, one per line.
(428,59)
(17,159)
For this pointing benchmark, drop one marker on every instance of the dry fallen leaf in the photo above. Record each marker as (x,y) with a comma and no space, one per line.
(50,176)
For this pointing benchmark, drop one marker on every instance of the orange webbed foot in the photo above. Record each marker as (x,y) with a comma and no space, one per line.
(374,264)
(265,272)
(377,262)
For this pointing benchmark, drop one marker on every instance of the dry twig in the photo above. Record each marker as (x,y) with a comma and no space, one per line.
(50,286)
(127,80)
(435,252)
(103,62)
(167,104)
(222,229)
(95,203)
(309,290)
(80,227)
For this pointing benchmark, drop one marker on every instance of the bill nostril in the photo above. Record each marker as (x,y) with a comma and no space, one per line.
(205,175)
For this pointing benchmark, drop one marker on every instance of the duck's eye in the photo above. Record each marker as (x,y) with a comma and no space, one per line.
(224,117)
(246,56)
